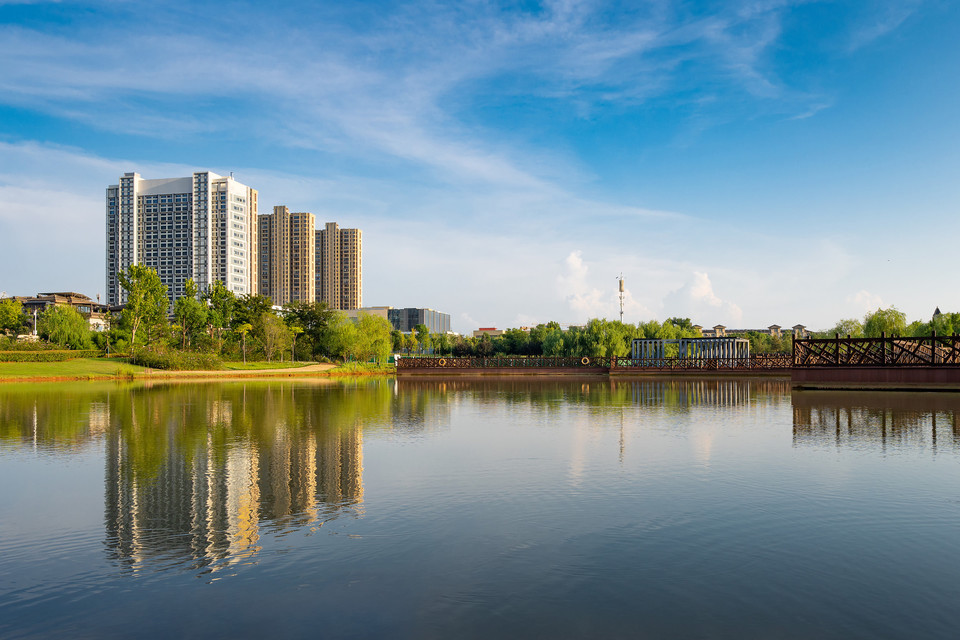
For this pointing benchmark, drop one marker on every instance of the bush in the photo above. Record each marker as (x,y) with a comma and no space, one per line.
(177,360)
(364,367)
(9,344)
(46,355)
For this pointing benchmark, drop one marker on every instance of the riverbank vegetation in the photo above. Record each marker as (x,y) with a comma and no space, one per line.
(217,329)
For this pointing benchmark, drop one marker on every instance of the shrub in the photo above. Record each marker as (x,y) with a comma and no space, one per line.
(10,344)
(46,355)
(177,360)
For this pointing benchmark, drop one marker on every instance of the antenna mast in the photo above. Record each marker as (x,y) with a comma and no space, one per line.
(621,296)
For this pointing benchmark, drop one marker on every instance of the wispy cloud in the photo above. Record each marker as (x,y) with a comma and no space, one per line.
(888,17)
(386,89)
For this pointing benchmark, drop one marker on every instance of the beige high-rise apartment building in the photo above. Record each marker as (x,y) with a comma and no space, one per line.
(287,256)
(339,269)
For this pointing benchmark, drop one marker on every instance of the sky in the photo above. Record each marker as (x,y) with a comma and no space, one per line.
(739,162)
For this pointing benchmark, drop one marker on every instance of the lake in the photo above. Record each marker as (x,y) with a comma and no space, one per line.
(538,508)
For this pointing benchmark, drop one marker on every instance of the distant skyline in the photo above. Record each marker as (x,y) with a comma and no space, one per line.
(742,163)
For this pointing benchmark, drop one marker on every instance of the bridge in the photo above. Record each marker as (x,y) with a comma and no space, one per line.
(887,362)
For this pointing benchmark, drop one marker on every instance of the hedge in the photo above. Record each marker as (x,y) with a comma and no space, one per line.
(8,344)
(177,360)
(47,356)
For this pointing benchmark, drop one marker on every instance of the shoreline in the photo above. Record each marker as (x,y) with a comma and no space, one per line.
(318,370)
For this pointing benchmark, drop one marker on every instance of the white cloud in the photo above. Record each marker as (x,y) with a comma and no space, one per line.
(594,297)
(863,300)
(696,300)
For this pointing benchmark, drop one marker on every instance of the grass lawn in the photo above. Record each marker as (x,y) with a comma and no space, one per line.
(364,367)
(79,368)
(239,366)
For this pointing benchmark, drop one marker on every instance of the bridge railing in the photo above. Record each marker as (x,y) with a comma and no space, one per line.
(764,361)
(927,351)
(754,362)
(505,362)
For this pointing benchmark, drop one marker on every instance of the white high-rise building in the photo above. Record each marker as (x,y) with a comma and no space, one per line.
(202,226)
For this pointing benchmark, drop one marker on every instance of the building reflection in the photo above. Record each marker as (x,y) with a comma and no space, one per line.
(198,476)
(879,418)
(714,392)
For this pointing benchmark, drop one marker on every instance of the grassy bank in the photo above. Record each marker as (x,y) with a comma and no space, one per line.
(78,369)
(250,366)
(362,369)
(117,368)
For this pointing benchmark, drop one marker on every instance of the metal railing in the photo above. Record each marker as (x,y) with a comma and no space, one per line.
(765,361)
(772,361)
(504,362)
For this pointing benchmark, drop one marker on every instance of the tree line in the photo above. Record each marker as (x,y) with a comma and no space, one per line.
(233,327)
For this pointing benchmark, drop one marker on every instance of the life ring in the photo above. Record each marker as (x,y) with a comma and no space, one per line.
(442,362)
(585,360)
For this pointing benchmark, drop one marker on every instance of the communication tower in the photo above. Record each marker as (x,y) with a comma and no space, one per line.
(621,297)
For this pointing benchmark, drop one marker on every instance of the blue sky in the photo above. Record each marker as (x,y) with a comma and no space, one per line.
(744,163)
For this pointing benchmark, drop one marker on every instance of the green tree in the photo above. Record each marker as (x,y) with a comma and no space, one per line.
(423,337)
(11,316)
(484,346)
(374,336)
(190,313)
(441,343)
(316,319)
(295,330)
(397,338)
(891,322)
(681,323)
(64,326)
(251,308)
(243,330)
(344,339)
(147,301)
(517,341)
(846,327)
(410,342)
(222,303)
(275,336)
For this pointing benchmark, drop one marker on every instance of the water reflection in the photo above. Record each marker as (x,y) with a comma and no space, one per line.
(194,473)
(876,418)
(197,474)
(650,391)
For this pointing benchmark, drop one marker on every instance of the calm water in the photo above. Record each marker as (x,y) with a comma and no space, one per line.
(640,509)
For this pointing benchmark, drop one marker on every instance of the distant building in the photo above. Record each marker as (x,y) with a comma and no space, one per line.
(93,311)
(382,312)
(201,226)
(493,332)
(339,271)
(774,330)
(287,256)
(406,320)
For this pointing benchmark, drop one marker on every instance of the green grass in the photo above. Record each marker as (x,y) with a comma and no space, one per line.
(79,368)
(239,366)
(363,367)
